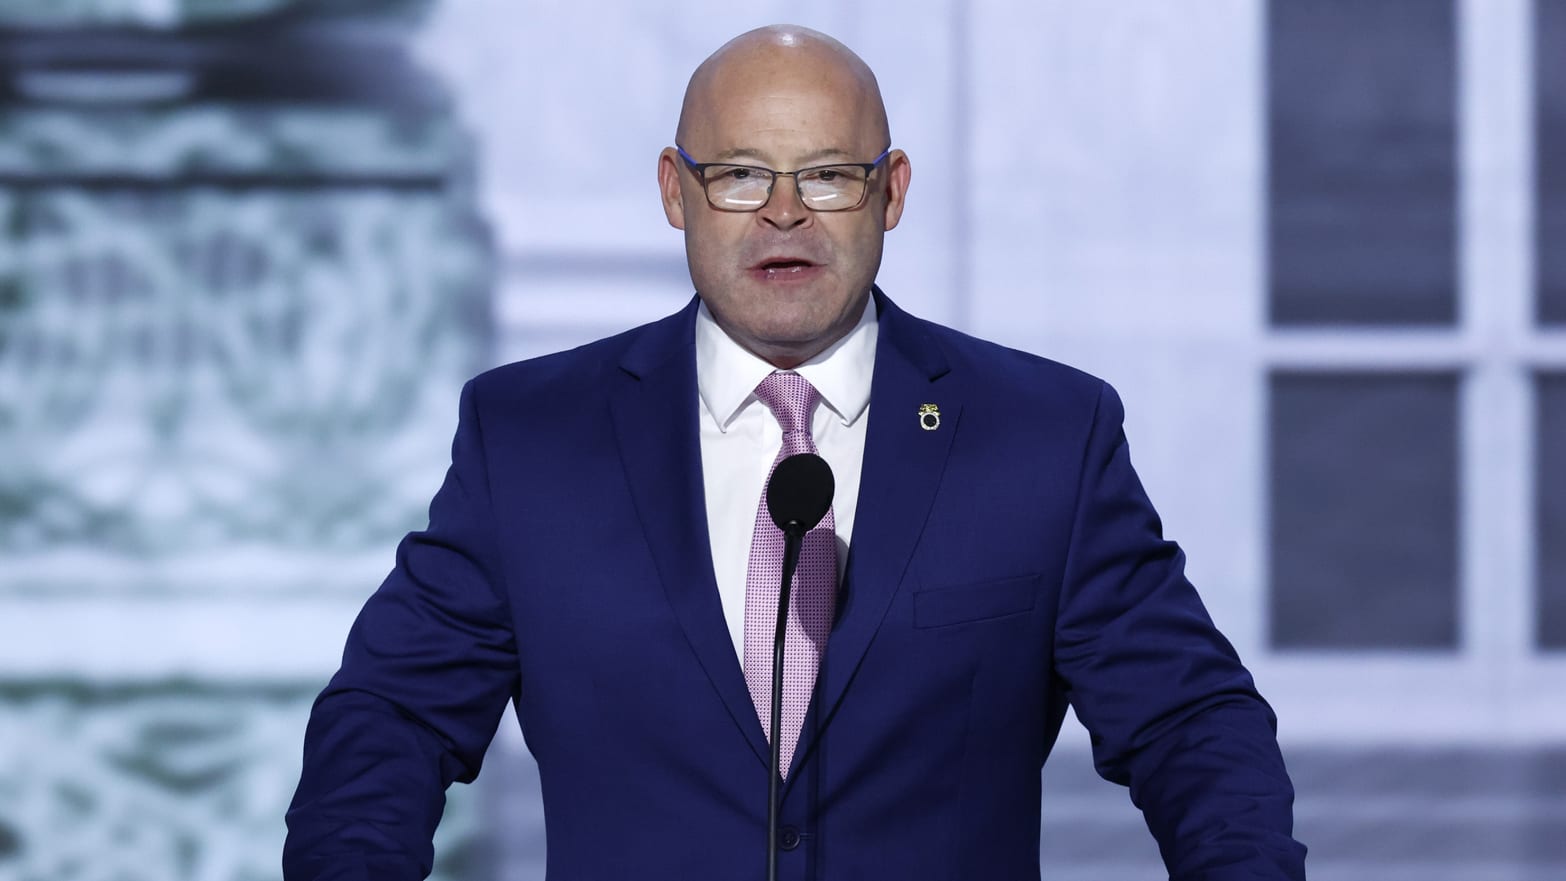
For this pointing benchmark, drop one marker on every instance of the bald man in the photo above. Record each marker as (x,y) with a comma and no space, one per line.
(599,556)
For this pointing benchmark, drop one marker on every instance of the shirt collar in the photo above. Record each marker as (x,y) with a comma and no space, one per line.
(727,373)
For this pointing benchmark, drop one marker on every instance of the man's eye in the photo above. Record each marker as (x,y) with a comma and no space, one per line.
(828,175)
(736,174)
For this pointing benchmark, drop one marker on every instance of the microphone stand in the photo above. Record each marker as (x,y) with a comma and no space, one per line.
(799,495)
(793,538)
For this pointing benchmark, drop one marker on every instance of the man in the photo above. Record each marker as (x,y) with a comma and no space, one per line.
(597,556)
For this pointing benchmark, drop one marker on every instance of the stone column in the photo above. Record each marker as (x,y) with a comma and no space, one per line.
(242,278)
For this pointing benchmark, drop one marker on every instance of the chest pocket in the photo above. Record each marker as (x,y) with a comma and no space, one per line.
(941,605)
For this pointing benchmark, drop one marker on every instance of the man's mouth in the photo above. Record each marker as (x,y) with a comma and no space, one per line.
(785,269)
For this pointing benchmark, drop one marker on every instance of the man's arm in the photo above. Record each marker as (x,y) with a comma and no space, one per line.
(1171,711)
(426,673)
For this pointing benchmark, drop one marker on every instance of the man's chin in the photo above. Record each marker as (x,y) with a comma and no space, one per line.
(796,344)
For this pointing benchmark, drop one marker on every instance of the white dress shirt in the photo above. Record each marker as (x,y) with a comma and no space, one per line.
(740,438)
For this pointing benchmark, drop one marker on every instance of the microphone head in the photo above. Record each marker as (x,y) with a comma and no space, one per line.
(800,492)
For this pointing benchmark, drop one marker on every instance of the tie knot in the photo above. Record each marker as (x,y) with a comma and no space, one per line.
(790,397)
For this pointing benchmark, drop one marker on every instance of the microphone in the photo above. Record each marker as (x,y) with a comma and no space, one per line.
(800,493)
(798,496)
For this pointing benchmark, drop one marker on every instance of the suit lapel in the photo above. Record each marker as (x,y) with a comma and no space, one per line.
(655,417)
(902,469)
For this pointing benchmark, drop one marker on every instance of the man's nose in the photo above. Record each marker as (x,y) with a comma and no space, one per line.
(784,210)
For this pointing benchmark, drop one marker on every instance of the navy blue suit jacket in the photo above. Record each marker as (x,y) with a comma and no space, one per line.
(1002,566)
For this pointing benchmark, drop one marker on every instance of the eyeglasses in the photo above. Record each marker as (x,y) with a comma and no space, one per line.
(730,187)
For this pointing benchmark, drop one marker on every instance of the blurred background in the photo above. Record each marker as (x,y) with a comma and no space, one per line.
(250,250)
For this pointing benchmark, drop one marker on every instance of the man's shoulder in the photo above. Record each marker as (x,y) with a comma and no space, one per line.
(1005,371)
(585,370)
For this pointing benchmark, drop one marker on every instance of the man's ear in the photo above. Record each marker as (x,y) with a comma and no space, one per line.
(898,171)
(669,187)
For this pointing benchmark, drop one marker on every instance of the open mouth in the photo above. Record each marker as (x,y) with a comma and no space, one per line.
(785,269)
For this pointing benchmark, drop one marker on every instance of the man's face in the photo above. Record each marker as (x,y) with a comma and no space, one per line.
(784,281)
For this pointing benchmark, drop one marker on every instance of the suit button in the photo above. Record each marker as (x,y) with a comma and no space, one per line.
(788,838)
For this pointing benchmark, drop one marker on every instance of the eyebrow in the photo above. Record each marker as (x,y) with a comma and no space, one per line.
(829,154)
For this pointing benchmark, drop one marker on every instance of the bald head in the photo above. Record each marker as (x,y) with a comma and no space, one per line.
(745,67)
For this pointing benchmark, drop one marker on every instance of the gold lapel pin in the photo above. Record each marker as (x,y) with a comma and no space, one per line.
(929,417)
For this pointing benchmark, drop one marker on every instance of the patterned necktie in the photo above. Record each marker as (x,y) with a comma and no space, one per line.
(792,399)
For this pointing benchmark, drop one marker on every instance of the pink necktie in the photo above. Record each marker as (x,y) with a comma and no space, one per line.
(792,400)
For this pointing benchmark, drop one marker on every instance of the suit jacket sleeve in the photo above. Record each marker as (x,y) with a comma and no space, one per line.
(1171,711)
(426,673)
